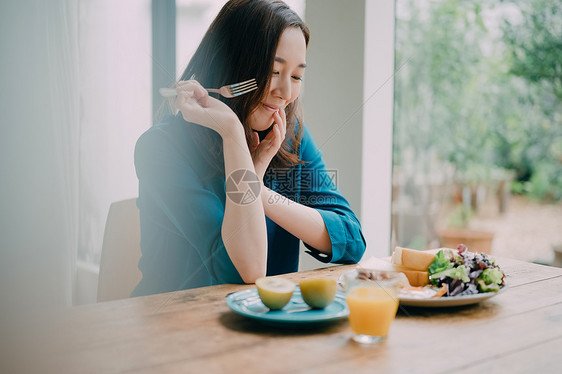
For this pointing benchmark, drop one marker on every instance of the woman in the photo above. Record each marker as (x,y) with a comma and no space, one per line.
(229,187)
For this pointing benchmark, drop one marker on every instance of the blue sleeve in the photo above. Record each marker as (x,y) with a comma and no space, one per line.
(181,216)
(319,191)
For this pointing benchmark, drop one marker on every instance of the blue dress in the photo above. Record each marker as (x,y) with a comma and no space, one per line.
(182,200)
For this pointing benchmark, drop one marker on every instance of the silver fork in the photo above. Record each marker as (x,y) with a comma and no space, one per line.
(229,91)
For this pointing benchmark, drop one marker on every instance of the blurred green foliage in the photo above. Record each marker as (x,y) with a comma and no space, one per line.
(481,88)
(535,45)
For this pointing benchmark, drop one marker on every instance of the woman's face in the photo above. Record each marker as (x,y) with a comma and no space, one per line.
(285,84)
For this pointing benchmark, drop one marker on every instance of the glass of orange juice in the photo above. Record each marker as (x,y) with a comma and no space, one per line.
(373,303)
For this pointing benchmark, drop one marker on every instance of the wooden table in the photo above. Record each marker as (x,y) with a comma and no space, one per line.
(194,331)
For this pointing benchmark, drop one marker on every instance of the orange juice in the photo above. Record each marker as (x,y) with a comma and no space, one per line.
(371,310)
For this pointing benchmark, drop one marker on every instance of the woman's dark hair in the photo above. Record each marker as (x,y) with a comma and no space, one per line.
(240,45)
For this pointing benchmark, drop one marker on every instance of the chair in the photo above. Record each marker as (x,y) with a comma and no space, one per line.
(120,253)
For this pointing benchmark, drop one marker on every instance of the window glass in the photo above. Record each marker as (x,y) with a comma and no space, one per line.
(478,126)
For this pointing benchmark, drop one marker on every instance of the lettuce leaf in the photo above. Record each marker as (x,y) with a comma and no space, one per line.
(460,272)
(440,263)
(490,280)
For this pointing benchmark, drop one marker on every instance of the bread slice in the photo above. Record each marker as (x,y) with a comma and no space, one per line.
(412,259)
(415,278)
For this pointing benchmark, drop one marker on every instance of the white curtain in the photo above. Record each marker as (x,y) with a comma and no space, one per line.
(38,153)
(115,109)
(76,95)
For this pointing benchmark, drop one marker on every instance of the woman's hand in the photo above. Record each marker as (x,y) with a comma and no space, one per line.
(264,151)
(196,106)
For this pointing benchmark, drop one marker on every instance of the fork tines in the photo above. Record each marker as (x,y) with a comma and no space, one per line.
(237,89)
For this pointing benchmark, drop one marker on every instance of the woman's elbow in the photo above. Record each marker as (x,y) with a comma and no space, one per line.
(250,277)
(251,269)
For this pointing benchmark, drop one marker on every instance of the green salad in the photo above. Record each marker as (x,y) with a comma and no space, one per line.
(465,272)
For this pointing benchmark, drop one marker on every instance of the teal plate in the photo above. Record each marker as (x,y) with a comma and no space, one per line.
(296,312)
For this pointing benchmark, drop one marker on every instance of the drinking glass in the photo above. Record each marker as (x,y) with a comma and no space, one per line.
(372,300)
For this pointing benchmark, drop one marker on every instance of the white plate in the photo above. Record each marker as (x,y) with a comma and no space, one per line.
(441,302)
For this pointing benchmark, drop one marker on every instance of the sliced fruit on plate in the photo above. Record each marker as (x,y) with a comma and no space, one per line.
(318,293)
(275,293)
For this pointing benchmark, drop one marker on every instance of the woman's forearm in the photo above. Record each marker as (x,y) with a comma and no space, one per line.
(244,231)
(303,222)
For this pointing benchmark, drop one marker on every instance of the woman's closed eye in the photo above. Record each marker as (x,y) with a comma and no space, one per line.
(295,77)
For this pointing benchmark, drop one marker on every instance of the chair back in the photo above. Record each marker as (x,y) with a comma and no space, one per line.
(120,255)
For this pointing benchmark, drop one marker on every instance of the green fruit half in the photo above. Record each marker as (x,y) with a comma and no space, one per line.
(318,293)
